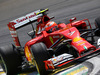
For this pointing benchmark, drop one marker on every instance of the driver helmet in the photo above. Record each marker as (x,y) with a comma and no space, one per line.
(51,27)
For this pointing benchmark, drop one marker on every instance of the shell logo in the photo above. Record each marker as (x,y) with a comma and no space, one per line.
(76,39)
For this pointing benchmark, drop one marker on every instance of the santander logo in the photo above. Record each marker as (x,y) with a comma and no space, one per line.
(25,18)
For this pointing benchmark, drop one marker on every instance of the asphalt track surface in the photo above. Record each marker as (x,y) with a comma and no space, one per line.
(61,9)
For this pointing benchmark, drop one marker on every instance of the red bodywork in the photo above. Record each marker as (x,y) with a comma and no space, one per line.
(69,31)
(72,33)
(79,43)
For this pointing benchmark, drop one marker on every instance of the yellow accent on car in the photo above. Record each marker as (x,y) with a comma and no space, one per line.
(28,55)
(51,39)
(41,11)
(76,39)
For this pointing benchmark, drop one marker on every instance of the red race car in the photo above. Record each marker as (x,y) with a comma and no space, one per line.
(52,45)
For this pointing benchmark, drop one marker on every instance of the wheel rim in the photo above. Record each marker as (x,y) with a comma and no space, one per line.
(3,65)
(37,67)
(35,63)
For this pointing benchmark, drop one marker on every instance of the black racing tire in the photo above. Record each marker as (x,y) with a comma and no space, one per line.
(74,52)
(66,21)
(40,54)
(97,22)
(11,59)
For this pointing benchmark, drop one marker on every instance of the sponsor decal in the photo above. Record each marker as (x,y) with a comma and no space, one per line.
(81,43)
(20,20)
(13,32)
(56,36)
(61,58)
(25,19)
(51,39)
(71,33)
(76,39)
(14,35)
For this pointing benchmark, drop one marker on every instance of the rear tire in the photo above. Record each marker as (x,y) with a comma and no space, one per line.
(10,59)
(40,54)
(66,21)
(97,22)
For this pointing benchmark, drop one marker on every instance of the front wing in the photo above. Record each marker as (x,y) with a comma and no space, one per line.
(64,59)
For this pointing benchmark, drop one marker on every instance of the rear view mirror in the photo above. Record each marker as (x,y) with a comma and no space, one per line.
(72,19)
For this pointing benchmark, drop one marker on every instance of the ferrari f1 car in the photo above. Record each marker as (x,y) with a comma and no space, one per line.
(52,45)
